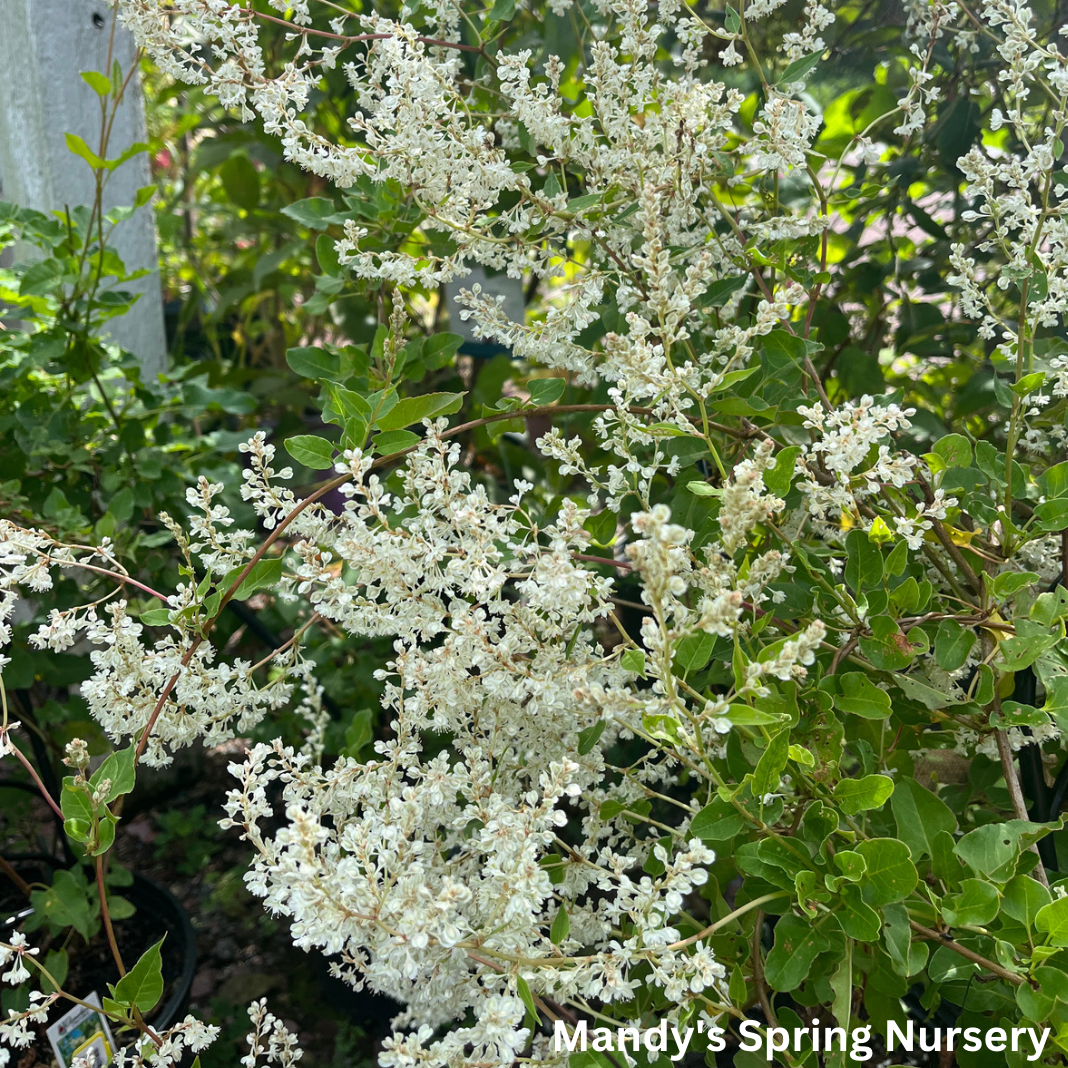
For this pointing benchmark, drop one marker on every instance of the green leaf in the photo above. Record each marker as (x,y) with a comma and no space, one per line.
(992,849)
(919,690)
(358,734)
(797,944)
(692,653)
(1028,384)
(264,574)
(129,153)
(314,213)
(313,452)
(718,821)
(1052,921)
(1052,515)
(719,292)
(633,660)
(777,479)
(1010,582)
(842,988)
(75,800)
(81,149)
(416,409)
(858,919)
(861,697)
(952,645)
(861,795)
(527,998)
(1032,640)
(864,562)
(99,83)
(439,349)
(891,874)
(955,450)
(156,617)
(590,1059)
(314,363)
(241,181)
(976,904)
(545,390)
(770,765)
(1024,898)
(120,908)
(602,526)
(1053,482)
(65,904)
(561,927)
(590,736)
(326,255)
(584,202)
(920,816)
(851,864)
(502,10)
(390,442)
(800,69)
(352,411)
(142,986)
(119,768)
(56,964)
(897,938)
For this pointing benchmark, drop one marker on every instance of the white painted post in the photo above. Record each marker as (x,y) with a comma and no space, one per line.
(44,47)
(493,285)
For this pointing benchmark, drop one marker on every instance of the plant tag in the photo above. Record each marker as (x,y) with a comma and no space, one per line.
(82,1032)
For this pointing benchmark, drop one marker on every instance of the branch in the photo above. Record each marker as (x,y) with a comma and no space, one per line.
(947,941)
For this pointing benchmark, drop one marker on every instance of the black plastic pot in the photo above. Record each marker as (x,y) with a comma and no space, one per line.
(179,950)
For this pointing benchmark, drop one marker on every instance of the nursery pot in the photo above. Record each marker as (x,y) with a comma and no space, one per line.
(158,915)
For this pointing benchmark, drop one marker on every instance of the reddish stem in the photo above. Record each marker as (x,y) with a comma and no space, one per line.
(106,914)
(37,781)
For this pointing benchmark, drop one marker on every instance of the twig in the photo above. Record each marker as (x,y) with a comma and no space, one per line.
(1008,768)
(24,887)
(106,914)
(947,941)
(758,969)
(730,918)
(37,781)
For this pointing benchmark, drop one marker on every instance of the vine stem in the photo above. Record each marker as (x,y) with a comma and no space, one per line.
(758,970)
(125,580)
(351,38)
(729,918)
(23,886)
(37,781)
(1012,780)
(970,954)
(105,912)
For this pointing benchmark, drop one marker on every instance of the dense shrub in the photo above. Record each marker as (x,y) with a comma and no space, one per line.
(726,666)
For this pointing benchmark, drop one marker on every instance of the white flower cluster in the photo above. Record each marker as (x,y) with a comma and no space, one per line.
(19,1029)
(175,681)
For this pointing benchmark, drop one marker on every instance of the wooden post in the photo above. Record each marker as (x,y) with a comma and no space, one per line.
(44,47)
